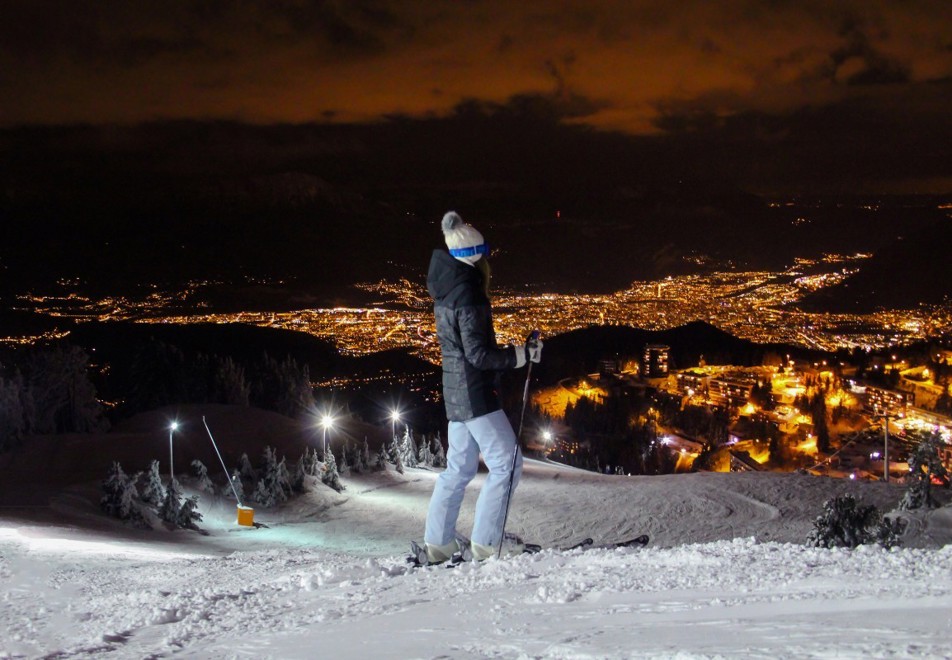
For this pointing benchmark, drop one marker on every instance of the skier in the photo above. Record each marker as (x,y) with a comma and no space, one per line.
(458,280)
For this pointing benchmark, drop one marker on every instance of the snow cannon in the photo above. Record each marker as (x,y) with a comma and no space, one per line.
(246,516)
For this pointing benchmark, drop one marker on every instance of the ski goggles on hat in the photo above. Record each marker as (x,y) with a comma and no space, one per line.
(470,251)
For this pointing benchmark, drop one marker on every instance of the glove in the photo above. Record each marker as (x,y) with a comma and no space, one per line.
(534,351)
(521,355)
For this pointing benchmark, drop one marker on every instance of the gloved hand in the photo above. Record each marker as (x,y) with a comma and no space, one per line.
(521,355)
(534,351)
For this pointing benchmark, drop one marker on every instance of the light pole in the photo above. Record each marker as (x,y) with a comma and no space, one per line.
(173,427)
(326,422)
(394,418)
(886,417)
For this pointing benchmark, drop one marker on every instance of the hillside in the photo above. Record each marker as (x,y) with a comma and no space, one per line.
(726,575)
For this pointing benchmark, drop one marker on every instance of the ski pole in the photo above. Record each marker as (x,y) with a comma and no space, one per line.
(221,459)
(530,340)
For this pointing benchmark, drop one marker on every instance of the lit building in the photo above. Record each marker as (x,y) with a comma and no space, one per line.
(654,362)
(730,392)
(691,382)
(879,401)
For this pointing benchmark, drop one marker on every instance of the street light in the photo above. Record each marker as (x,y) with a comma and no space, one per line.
(394,418)
(886,417)
(173,427)
(326,422)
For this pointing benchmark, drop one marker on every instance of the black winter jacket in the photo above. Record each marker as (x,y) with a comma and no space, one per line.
(464,326)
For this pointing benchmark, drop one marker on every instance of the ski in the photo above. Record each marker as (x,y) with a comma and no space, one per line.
(587,543)
(418,559)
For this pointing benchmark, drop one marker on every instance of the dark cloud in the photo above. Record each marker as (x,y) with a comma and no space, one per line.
(637,67)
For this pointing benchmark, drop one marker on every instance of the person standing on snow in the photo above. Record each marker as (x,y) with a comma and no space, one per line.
(458,281)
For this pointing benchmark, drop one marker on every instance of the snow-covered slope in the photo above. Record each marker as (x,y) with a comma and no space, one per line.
(726,575)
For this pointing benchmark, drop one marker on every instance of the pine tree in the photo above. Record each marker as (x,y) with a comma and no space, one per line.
(203,482)
(331,476)
(845,523)
(154,491)
(408,449)
(439,454)
(393,449)
(171,504)
(237,484)
(382,460)
(924,465)
(299,474)
(120,497)
(365,456)
(12,419)
(247,472)
(343,467)
(188,514)
(284,480)
(270,490)
(398,464)
(230,384)
(424,457)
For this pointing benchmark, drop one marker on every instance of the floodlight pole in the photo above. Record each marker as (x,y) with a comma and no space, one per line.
(171,466)
(886,449)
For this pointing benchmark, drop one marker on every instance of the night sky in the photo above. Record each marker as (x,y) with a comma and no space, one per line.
(167,141)
(861,89)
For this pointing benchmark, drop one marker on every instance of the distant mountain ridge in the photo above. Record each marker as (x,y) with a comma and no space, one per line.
(912,269)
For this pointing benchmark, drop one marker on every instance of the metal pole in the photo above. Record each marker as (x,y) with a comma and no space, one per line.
(228,476)
(515,450)
(886,449)
(171,467)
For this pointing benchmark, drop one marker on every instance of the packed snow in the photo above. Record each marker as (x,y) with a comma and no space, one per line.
(727,574)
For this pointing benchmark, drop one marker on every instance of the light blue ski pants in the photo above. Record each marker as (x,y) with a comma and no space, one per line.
(492,436)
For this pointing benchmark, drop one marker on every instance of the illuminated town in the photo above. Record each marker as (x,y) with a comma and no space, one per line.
(754,305)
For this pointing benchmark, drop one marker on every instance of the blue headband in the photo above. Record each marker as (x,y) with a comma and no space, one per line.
(470,251)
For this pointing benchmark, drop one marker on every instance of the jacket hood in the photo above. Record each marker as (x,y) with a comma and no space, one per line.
(447,273)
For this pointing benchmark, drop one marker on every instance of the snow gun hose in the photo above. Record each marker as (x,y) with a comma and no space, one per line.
(533,336)
(222,460)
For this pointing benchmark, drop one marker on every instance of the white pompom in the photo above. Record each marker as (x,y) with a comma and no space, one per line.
(451,221)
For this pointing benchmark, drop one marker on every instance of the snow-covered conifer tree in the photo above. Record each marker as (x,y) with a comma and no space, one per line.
(246,470)
(331,476)
(924,465)
(844,523)
(188,515)
(284,479)
(203,482)
(424,456)
(171,504)
(270,490)
(154,491)
(408,449)
(236,482)
(393,449)
(398,464)
(439,454)
(382,460)
(365,456)
(299,473)
(343,467)
(121,498)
